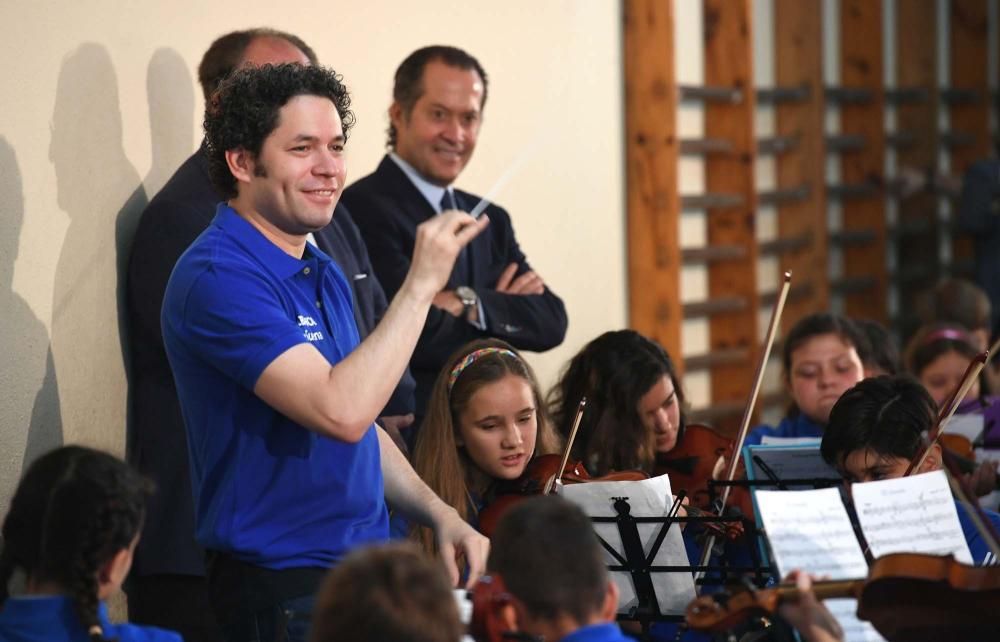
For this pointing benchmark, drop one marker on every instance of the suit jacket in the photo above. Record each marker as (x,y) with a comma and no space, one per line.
(387,208)
(174,218)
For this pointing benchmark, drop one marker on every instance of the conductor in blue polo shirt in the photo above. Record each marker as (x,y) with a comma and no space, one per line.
(278,396)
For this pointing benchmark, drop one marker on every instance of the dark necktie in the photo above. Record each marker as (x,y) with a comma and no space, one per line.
(448,201)
(462,274)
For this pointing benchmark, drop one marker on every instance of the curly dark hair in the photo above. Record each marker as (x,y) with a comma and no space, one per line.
(613,372)
(226,52)
(243,112)
(408,85)
(73,511)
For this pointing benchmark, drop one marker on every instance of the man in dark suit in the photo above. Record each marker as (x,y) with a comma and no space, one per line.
(167,587)
(438,100)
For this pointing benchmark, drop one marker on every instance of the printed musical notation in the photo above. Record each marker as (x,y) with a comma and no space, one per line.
(810,530)
(914,514)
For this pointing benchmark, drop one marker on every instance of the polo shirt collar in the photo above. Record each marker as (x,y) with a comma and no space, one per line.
(430,191)
(277,260)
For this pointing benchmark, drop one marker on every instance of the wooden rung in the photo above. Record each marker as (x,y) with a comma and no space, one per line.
(719,305)
(848,95)
(960,95)
(782,196)
(849,191)
(845,143)
(711,253)
(699,146)
(957,139)
(705,361)
(907,95)
(901,139)
(853,284)
(778,144)
(774,95)
(711,94)
(710,201)
(782,245)
(845,238)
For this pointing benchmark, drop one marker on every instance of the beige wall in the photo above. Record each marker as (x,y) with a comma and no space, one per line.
(100,106)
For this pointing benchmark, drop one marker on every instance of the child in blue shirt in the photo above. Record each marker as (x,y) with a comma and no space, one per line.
(875,430)
(72,528)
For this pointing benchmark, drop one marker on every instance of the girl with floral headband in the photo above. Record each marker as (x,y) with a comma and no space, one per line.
(485,421)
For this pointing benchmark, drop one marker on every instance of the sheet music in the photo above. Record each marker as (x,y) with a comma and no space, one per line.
(914,514)
(969,426)
(647,498)
(810,530)
(793,461)
(992,500)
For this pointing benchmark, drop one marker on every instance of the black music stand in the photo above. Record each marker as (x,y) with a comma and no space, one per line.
(639,564)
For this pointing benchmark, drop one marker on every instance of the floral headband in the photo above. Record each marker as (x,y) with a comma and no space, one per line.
(951,334)
(456,372)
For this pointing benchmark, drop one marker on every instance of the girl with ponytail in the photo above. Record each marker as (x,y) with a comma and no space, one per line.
(73,525)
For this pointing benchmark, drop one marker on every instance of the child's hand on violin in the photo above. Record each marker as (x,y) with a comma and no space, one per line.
(808,615)
(983,480)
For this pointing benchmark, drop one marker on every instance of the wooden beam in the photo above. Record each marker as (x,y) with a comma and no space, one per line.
(968,56)
(861,68)
(798,55)
(729,63)
(652,149)
(916,68)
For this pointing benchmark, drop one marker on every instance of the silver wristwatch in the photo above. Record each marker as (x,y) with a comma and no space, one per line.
(467,296)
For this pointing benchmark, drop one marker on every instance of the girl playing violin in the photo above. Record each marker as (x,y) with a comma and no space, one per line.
(938,356)
(485,421)
(634,403)
(876,429)
(822,357)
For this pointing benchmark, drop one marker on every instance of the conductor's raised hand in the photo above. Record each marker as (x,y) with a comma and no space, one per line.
(439,240)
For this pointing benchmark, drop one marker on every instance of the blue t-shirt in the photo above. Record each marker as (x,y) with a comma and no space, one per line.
(797,426)
(267,490)
(53,619)
(609,632)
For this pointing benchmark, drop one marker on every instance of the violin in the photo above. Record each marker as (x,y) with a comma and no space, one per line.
(692,462)
(544,472)
(906,596)
(541,476)
(958,448)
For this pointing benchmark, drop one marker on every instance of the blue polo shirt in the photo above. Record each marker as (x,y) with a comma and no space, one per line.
(267,490)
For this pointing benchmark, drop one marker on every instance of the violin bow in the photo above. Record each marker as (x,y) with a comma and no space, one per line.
(772,331)
(948,409)
(554,481)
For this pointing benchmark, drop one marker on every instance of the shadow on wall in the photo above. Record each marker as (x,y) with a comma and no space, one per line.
(29,405)
(100,191)
(170,90)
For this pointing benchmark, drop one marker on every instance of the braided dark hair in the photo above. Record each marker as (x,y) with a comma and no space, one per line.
(73,511)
